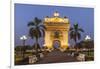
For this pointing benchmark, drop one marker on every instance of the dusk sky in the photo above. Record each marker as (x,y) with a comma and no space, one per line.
(27,12)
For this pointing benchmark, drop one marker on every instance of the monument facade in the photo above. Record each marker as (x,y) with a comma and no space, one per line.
(56,33)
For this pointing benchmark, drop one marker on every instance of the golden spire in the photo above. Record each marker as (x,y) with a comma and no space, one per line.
(56,14)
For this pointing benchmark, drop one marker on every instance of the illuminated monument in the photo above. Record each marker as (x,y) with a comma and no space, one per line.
(57,31)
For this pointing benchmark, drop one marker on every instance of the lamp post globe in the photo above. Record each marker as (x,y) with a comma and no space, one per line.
(23,38)
(87,38)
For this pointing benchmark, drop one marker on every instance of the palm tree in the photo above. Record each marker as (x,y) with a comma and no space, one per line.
(75,33)
(36,30)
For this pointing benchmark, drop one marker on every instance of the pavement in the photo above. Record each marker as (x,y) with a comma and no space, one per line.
(57,56)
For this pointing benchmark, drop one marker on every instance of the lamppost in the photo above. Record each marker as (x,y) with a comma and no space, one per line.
(23,38)
(87,40)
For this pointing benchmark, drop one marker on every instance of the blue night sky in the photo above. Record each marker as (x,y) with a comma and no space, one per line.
(25,13)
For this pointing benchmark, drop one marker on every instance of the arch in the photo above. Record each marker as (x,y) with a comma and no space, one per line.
(56,44)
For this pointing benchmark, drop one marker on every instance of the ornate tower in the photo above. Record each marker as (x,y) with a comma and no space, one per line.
(57,31)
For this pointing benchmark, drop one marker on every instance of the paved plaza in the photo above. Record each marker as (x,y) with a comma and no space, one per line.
(57,56)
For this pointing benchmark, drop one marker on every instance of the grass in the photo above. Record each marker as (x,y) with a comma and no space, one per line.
(19,58)
(89,54)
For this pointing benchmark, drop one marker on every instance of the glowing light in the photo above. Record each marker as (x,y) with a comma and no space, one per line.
(87,37)
(23,37)
(56,14)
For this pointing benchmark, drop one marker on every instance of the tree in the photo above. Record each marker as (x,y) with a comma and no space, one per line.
(75,33)
(36,30)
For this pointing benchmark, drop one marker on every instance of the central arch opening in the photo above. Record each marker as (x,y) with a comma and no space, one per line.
(56,44)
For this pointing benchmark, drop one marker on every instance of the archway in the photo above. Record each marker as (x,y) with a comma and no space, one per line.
(56,44)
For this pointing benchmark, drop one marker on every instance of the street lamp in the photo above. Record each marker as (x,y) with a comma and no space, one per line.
(87,38)
(23,38)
